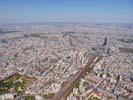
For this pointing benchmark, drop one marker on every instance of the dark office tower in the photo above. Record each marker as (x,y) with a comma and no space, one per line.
(105,41)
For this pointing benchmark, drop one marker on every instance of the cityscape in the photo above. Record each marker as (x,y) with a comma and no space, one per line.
(66,52)
(38,60)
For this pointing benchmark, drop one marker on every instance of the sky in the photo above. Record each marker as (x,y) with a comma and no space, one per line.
(106,11)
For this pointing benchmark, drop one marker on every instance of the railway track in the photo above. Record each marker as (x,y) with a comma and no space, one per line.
(72,80)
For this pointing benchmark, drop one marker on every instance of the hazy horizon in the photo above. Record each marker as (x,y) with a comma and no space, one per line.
(75,11)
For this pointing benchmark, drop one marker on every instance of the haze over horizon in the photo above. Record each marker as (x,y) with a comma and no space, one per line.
(106,11)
